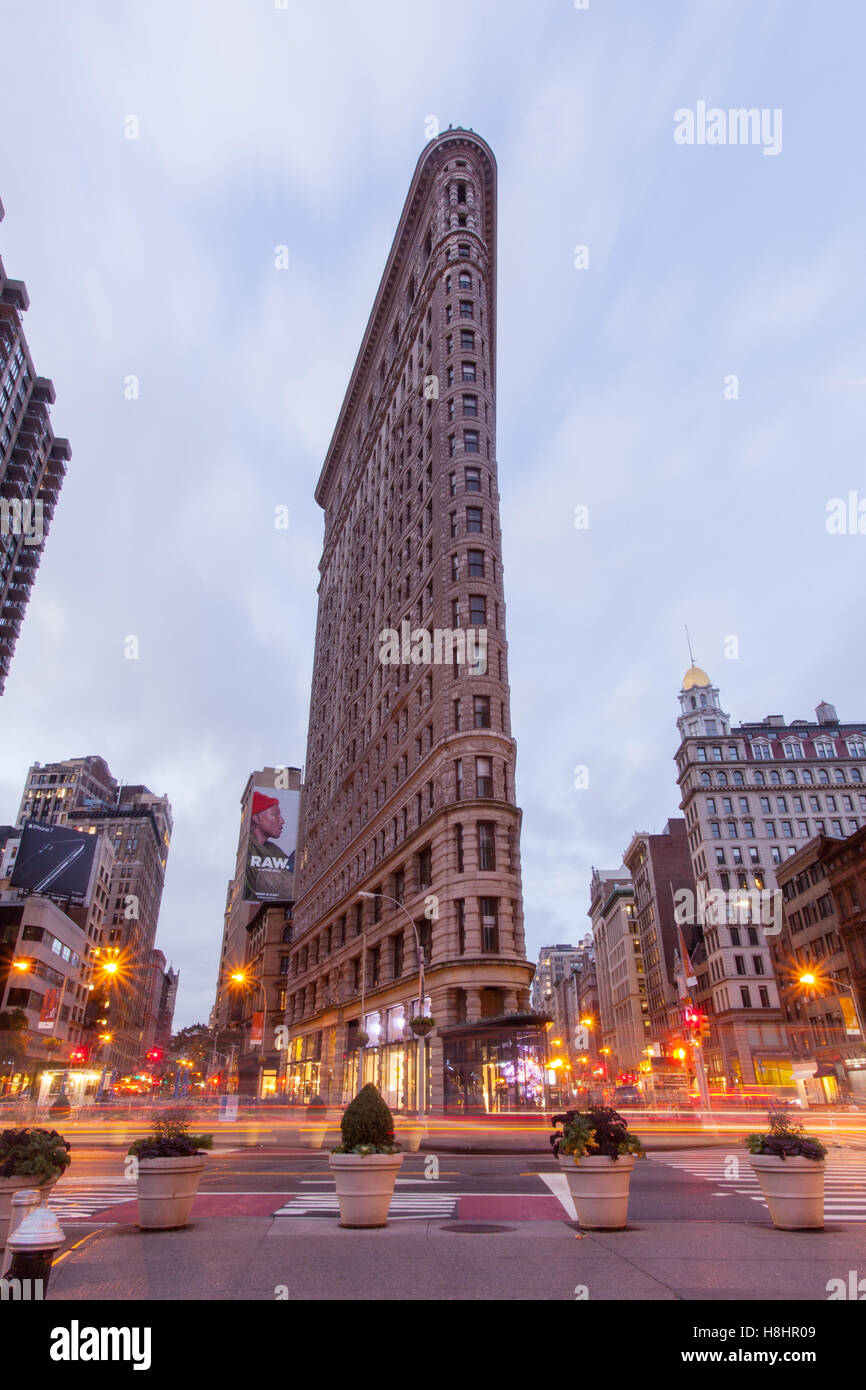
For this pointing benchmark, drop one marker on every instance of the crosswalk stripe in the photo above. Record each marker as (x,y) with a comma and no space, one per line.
(844,1181)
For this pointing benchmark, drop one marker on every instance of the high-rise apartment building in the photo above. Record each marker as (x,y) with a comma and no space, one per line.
(32,466)
(410,791)
(752,796)
(555,964)
(135,825)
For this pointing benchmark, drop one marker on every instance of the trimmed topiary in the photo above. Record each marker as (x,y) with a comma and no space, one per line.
(367,1125)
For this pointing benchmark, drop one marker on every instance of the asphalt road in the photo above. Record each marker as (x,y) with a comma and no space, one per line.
(688,1185)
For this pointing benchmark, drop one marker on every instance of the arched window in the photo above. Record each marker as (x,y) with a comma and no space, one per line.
(461,192)
(705,779)
(823,777)
(775,779)
(738,779)
(759,779)
(721,779)
(791,777)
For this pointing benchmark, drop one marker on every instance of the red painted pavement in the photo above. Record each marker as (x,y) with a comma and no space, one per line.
(207,1204)
(538,1208)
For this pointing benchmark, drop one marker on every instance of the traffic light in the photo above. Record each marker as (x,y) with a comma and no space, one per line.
(691,1018)
(79,1054)
(155,1054)
(705,1026)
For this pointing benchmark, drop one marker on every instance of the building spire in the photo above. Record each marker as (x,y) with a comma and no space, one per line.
(691,653)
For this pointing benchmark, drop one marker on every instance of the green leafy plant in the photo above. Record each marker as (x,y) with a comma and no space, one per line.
(170,1138)
(42,1154)
(785,1138)
(590,1133)
(367,1125)
(422,1023)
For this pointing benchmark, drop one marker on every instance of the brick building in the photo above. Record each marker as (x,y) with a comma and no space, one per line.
(659,866)
(410,761)
(821,1021)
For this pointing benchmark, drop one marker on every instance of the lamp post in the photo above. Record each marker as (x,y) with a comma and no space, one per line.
(421,1079)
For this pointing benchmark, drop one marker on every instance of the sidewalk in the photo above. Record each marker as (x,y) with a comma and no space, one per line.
(260,1258)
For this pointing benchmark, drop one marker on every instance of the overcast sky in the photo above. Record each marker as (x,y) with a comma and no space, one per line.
(153,257)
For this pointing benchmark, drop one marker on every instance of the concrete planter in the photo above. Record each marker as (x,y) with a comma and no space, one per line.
(365,1186)
(793,1189)
(410,1135)
(599,1189)
(8,1188)
(166,1190)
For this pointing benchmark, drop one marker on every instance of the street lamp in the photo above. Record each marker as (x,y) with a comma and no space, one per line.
(240,978)
(421,1050)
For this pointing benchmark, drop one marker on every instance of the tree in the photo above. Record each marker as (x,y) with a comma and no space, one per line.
(13,1041)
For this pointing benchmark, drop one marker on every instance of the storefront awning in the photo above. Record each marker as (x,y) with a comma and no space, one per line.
(824,1070)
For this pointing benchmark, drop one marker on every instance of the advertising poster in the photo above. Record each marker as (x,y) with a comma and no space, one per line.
(271,840)
(54,861)
(48,1012)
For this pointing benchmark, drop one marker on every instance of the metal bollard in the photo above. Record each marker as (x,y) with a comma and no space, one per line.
(33,1244)
(25,1200)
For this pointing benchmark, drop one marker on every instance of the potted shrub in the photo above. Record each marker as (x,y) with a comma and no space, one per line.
(28,1158)
(169,1165)
(790,1171)
(597,1153)
(422,1024)
(365,1163)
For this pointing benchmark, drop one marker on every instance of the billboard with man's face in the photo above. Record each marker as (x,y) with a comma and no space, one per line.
(54,861)
(271,841)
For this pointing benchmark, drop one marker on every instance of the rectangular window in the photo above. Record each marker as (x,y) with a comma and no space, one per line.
(458,847)
(468,371)
(486,845)
(477,610)
(461,927)
(467,310)
(740,964)
(458,779)
(425,936)
(470,405)
(397,954)
(765,996)
(467,340)
(474,519)
(475,560)
(483,776)
(489,924)
(745,996)
(481,711)
(425,867)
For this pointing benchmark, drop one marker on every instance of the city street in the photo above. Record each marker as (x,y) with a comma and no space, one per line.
(268,1218)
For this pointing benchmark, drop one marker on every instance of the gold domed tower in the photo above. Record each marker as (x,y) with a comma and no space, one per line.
(699,702)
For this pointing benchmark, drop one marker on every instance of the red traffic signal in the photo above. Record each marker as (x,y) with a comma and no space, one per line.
(155,1054)
(79,1054)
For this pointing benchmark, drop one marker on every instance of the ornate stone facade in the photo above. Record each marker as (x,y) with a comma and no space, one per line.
(409,781)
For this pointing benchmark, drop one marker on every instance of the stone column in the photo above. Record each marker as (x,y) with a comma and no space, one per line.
(473,1005)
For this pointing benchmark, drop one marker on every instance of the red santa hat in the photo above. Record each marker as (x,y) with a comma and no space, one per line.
(263,803)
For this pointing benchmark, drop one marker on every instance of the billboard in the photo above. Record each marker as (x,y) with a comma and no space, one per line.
(54,861)
(271,838)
